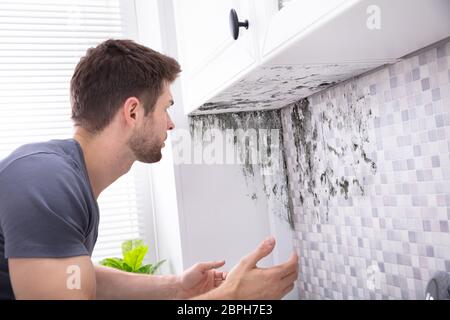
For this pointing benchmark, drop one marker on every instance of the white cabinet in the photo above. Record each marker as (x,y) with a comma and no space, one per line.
(293,50)
(209,56)
(296,18)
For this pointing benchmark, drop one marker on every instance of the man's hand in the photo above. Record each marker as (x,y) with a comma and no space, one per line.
(200,278)
(247,281)
(52,278)
(250,282)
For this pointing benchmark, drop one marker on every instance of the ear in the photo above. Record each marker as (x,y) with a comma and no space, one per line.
(131,111)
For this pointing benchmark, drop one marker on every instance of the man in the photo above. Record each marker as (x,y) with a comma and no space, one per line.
(120,93)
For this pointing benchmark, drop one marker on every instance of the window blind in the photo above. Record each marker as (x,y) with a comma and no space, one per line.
(41,41)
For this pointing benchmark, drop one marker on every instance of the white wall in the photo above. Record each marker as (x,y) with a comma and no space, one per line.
(217,219)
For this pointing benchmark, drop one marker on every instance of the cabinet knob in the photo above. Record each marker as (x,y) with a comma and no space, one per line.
(235,24)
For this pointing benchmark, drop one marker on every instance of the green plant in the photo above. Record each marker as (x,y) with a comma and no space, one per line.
(133,252)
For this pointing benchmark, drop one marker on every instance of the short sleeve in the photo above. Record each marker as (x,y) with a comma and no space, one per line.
(43,208)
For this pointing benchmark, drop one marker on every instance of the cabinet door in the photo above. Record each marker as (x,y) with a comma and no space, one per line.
(289,18)
(210,58)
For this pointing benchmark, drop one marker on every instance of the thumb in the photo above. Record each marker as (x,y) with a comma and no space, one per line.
(264,249)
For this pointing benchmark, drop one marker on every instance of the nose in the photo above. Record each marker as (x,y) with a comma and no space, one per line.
(170,124)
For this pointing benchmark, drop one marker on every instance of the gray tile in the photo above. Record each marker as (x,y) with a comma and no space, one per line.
(396,280)
(404,294)
(416,74)
(422,59)
(425,84)
(417,151)
(443,226)
(429,109)
(441,52)
(410,164)
(430,251)
(412,236)
(432,135)
(375,212)
(439,119)
(392,72)
(408,77)
(435,162)
(447,265)
(394,82)
(424,175)
(405,115)
(436,94)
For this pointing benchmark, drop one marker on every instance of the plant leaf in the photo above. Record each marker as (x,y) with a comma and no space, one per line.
(126,267)
(145,269)
(156,266)
(116,263)
(129,245)
(135,256)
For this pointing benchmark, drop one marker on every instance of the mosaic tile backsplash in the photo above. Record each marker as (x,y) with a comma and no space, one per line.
(368,164)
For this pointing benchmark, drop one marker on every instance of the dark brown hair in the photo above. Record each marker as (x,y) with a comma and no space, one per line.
(111,73)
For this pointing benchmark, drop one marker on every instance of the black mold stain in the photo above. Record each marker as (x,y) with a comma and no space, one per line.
(323,136)
(290,203)
(343,184)
(373,165)
(358,184)
(276,190)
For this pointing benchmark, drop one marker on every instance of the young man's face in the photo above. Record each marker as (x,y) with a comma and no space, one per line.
(148,138)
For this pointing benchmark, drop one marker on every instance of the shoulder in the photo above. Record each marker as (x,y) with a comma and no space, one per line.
(40,168)
(43,162)
(43,176)
(43,185)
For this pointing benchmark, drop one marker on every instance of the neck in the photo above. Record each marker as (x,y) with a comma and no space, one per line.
(106,157)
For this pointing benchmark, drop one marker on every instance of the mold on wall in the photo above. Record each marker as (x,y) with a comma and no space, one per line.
(328,138)
(275,86)
(255,139)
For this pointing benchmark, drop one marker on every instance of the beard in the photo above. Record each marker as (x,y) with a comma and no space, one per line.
(145,147)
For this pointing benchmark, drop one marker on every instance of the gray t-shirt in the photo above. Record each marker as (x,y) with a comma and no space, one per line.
(47,207)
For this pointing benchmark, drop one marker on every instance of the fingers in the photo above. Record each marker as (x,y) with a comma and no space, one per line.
(288,267)
(219,277)
(289,279)
(218,283)
(288,283)
(264,249)
(204,266)
(222,275)
(287,290)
